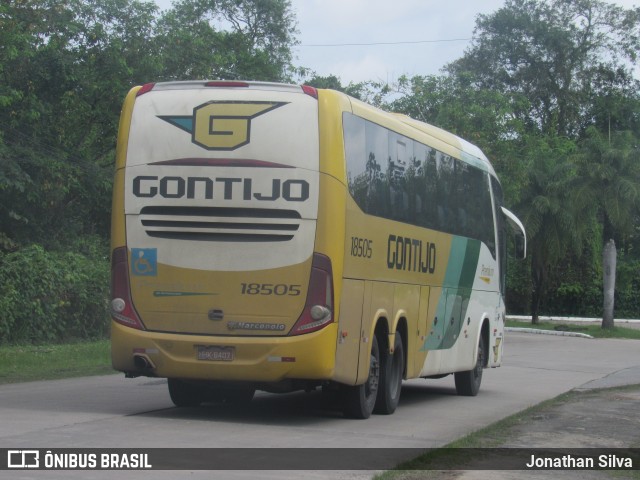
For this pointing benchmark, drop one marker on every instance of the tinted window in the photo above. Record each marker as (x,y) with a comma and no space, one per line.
(394,177)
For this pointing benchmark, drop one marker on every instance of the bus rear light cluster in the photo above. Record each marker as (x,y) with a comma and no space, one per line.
(146,88)
(122,310)
(318,309)
(311,91)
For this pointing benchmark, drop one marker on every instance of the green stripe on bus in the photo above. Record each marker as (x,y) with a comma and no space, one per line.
(454,301)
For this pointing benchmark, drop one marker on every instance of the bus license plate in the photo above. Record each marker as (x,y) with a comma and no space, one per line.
(216,354)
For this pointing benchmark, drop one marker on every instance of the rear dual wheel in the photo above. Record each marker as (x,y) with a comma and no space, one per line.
(185,394)
(381,392)
(360,400)
(190,394)
(233,396)
(391,379)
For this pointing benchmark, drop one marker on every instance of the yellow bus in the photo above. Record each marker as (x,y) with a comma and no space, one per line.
(276,237)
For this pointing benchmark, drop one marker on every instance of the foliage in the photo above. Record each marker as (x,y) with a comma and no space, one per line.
(608,181)
(608,188)
(553,230)
(627,300)
(481,116)
(231,39)
(560,54)
(54,296)
(46,197)
(59,122)
(573,63)
(227,39)
(356,90)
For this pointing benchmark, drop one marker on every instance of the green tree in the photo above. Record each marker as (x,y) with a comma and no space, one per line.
(356,90)
(573,61)
(455,103)
(560,54)
(553,229)
(608,187)
(227,39)
(59,106)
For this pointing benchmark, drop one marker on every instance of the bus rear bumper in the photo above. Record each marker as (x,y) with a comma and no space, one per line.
(222,358)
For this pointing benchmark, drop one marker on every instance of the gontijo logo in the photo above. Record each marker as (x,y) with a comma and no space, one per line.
(221,125)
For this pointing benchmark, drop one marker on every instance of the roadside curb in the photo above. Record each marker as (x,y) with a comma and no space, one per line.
(618,321)
(622,378)
(547,332)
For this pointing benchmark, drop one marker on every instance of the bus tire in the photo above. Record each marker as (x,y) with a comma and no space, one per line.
(185,394)
(235,396)
(391,370)
(359,400)
(468,383)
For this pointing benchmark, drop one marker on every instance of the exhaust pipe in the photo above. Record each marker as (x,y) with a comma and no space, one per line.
(142,362)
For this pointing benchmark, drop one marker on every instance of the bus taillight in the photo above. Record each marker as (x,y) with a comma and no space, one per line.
(318,309)
(122,310)
(147,87)
(311,91)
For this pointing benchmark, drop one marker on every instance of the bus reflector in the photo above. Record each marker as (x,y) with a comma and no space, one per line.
(281,359)
(318,308)
(122,310)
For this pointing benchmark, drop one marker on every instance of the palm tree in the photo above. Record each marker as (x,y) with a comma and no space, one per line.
(608,188)
(551,227)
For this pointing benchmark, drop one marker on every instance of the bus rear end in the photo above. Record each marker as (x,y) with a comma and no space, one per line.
(214,273)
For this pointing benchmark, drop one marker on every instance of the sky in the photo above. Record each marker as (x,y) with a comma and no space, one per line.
(443,28)
(421,36)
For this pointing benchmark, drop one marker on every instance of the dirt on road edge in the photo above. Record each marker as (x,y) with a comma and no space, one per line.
(582,418)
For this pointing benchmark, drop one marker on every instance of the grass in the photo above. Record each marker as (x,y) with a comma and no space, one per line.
(47,362)
(590,329)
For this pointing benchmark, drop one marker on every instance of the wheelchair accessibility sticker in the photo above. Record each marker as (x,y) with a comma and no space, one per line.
(144,262)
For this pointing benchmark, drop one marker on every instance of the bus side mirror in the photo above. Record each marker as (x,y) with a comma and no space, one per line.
(521,236)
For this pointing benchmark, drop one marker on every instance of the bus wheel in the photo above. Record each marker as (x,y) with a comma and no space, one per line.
(391,370)
(468,383)
(235,396)
(185,394)
(359,400)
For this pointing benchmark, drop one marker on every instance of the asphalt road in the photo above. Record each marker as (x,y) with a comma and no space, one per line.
(114,412)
